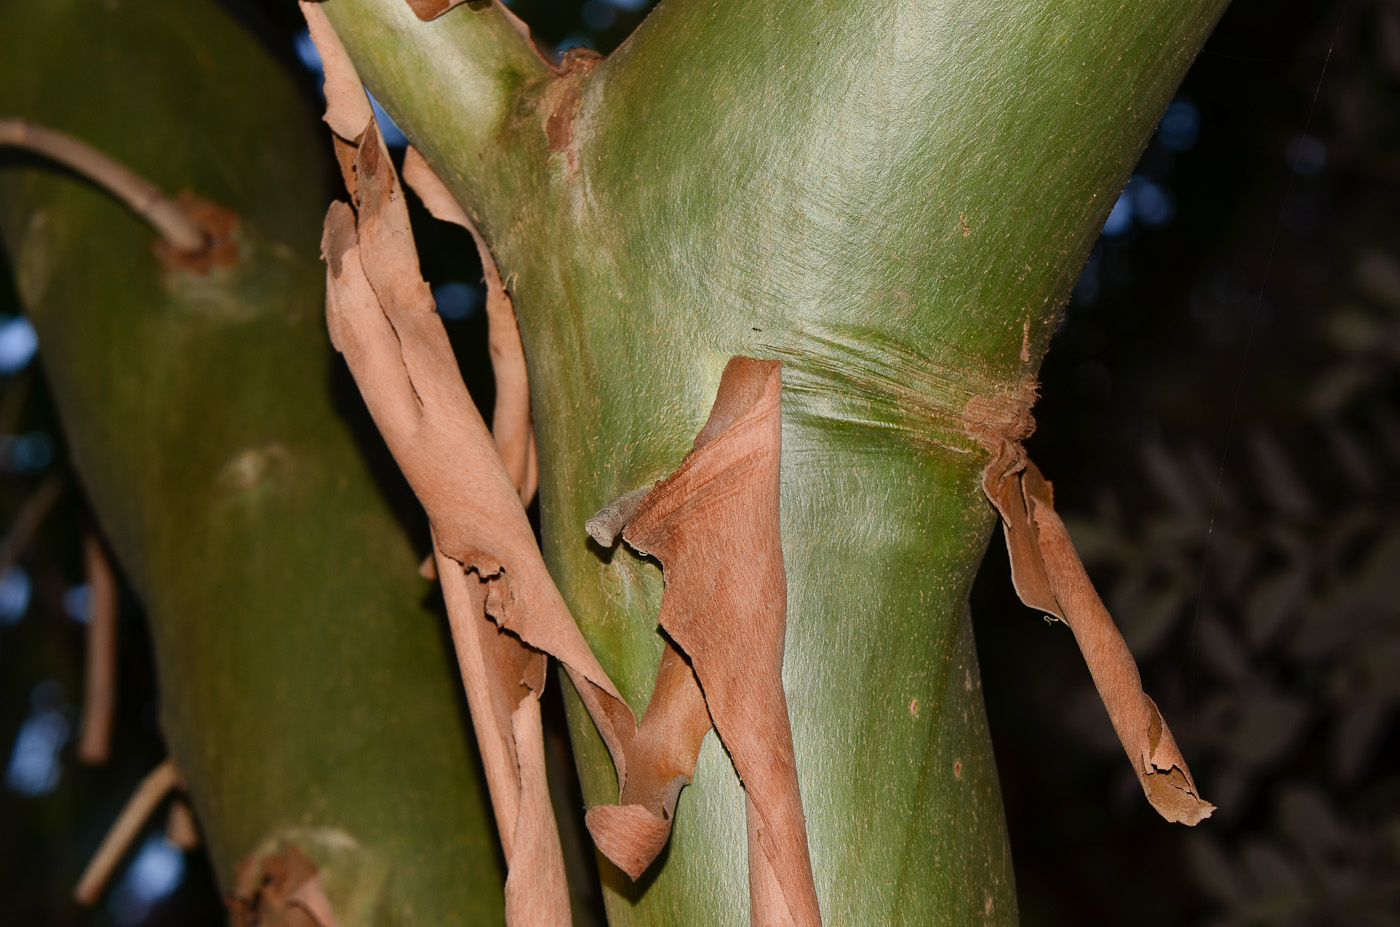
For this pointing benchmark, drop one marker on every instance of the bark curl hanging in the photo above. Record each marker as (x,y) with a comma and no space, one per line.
(1049,576)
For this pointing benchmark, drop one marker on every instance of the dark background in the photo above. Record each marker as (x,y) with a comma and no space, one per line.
(1219,420)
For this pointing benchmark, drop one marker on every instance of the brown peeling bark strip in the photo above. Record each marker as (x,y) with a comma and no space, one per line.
(445,451)
(382,318)
(438,460)
(494,668)
(1050,577)
(158,783)
(510,421)
(347,107)
(661,762)
(504,679)
(100,697)
(140,196)
(714,526)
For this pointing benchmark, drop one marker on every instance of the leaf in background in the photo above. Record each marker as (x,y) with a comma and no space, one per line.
(1219,649)
(1175,482)
(1214,871)
(1282,486)
(1378,278)
(1351,457)
(1271,601)
(1267,725)
(1356,735)
(1278,881)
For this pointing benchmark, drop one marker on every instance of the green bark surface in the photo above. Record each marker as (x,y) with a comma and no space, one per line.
(307,692)
(893,198)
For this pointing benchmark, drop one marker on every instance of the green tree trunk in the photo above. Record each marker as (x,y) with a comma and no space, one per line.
(895,200)
(306,692)
(892,198)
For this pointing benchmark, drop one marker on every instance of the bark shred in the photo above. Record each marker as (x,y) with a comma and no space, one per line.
(714,525)
(1049,576)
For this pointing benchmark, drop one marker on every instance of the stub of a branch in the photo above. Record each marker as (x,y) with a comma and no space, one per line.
(181,232)
(1049,576)
(281,887)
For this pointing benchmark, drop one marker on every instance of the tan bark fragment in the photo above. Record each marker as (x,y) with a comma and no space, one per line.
(280,889)
(511,424)
(661,762)
(1049,576)
(714,526)
(505,611)
(347,107)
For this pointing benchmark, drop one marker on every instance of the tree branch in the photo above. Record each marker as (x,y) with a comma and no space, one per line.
(452,84)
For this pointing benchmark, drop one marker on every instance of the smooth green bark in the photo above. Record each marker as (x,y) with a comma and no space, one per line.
(306,690)
(895,199)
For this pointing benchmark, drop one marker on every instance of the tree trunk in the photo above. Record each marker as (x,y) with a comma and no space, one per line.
(306,692)
(894,199)
(891,198)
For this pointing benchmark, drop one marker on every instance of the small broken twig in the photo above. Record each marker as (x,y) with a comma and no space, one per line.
(100,698)
(153,789)
(29,518)
(164,214)
(181,829)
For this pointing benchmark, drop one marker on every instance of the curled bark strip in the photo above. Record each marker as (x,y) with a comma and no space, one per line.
(100,697)
(142,197)
(347,107)
(1049,576)
(661,762)
(153,789)
(398,352)
(382,318)
(510,421)
(714,526)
